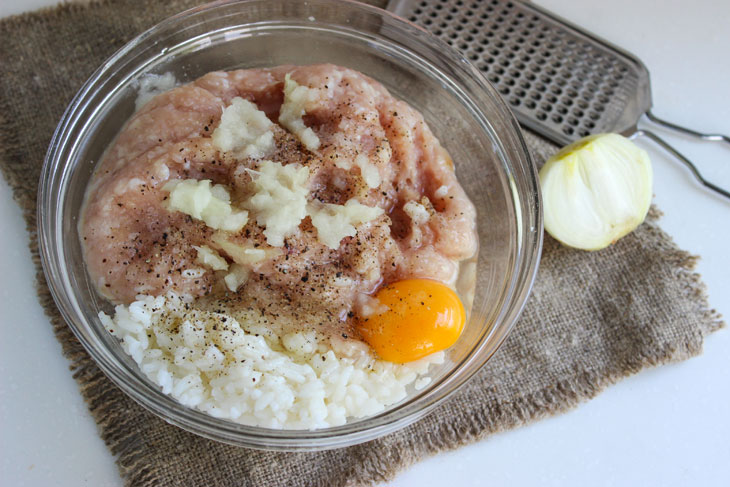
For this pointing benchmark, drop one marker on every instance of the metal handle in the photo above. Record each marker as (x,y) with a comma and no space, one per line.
(666,146)
(686,131)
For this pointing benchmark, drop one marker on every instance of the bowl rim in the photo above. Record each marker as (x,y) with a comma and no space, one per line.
(259,437)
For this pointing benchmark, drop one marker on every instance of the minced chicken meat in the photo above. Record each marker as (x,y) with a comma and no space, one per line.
(294,192)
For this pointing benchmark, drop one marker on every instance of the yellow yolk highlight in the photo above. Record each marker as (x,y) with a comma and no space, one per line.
(423,316)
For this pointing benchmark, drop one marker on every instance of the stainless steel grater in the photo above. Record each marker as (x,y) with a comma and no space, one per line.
(560,81)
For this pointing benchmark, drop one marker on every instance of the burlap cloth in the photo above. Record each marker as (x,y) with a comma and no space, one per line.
(593,318)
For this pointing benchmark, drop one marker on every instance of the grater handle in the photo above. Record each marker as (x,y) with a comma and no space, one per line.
(666,146)
(686,131)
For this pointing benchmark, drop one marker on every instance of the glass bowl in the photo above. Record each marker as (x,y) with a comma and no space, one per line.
(462,109)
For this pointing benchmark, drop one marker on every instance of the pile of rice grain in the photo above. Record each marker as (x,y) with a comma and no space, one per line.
(210,361)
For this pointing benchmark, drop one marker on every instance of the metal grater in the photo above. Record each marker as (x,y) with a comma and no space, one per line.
(560,81)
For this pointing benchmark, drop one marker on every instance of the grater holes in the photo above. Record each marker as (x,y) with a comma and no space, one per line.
(557,118)
(520,51)
(542,116)
(584,133)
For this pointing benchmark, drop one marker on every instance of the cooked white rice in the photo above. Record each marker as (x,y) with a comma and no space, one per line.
(211,362)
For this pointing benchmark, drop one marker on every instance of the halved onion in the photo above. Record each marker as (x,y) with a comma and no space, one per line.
(596,190)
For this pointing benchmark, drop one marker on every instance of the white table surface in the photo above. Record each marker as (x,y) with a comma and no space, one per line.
(666,426)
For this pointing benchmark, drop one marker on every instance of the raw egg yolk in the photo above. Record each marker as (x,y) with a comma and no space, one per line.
(422,317)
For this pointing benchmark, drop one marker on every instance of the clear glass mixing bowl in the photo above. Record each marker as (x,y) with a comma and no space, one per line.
(462,109)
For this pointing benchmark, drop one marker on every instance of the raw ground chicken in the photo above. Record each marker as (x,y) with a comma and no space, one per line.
(282,350)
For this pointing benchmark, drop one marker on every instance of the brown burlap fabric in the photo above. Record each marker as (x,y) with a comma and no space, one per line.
(593,318)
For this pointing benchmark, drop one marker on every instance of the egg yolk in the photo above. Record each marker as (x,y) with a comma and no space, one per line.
(422,317)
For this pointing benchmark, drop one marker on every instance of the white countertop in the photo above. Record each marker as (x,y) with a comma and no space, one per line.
(667,426)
